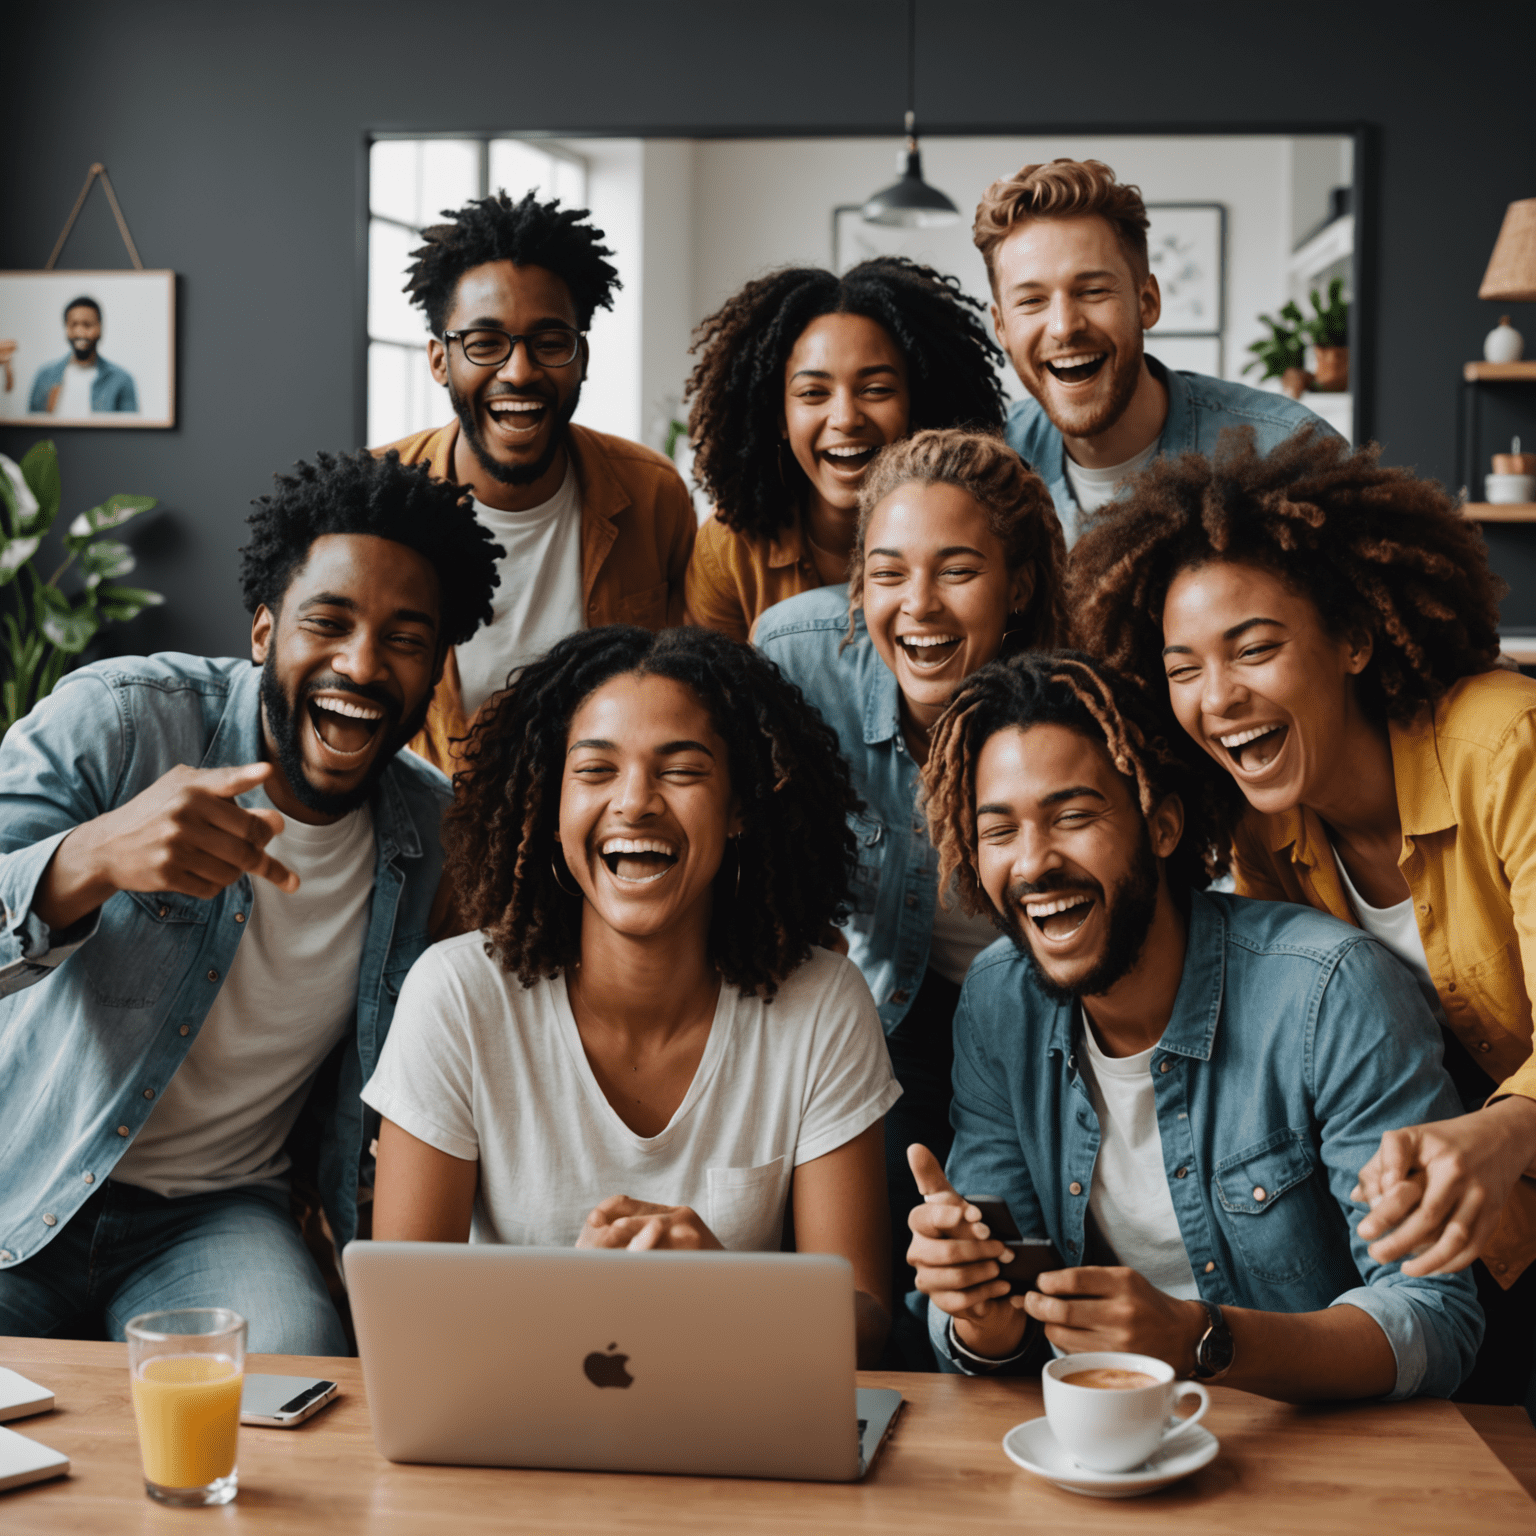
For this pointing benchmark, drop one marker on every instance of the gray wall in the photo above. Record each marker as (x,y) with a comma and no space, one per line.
(233,136)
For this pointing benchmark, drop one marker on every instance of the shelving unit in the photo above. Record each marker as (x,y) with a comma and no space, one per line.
(1332,244)
(1500,512)
(1475,377)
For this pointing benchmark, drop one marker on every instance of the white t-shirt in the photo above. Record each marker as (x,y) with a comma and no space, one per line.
(957,937)
(539,599)
(481,1067)
(75,391)
(1093,488)
(287,999)
(1130,1202)
(1398,929)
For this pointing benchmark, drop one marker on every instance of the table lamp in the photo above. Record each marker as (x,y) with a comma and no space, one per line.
(1511,275)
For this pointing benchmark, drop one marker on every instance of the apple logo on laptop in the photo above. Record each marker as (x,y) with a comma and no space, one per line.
(607,1370)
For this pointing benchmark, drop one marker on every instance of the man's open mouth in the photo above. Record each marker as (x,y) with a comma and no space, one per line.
(1076,367)
(517,417)
(346,727)
(1256,747)
(850,456)
(927,653)
(637,860)
(1059,916)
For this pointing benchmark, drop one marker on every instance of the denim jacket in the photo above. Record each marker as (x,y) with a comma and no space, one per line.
(1295,1042)
(1199,409)
(95,1020)
(898,875)
(113,389)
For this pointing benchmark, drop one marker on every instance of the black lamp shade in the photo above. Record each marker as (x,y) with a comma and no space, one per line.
(910,202)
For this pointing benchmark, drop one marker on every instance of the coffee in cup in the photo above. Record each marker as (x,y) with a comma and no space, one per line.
(1109,1411)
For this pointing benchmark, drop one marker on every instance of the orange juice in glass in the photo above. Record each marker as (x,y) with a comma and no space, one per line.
(187,1369)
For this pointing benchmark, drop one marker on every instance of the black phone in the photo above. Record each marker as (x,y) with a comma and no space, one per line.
(1032,1256)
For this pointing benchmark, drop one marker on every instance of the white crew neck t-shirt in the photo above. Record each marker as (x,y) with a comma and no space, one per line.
(286,1000)
(539,599)
(482,1068)
(1094,488)
(75,391)
(1398,929)
(1130,1202)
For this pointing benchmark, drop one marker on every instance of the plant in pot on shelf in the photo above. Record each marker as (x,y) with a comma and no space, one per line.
(45,629)
(1282,353)
(1327,328)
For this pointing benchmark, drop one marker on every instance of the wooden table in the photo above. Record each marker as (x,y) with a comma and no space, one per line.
(1410,1467)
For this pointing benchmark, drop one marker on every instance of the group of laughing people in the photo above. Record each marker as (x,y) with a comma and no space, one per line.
(1114,806)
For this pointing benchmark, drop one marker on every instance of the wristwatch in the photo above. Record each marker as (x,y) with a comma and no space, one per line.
(1214,1352)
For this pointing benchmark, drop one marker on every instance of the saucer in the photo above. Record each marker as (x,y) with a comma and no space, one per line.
(1034,1447)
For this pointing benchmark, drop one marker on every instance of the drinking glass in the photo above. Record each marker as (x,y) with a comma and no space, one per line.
(187,1369)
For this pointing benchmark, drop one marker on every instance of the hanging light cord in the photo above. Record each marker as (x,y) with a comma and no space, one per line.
(911,71)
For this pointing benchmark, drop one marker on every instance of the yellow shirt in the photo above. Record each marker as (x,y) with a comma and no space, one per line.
(734,578)
(1467,800)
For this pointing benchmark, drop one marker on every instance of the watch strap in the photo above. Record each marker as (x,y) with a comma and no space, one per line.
(1216,1334)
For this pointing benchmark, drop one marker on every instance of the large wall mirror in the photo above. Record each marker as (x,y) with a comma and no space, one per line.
(1242,224)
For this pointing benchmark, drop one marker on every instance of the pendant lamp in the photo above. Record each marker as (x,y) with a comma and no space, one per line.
(910,202)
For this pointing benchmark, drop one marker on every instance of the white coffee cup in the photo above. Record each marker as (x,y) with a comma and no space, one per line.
(1507,490)
(1112,1429)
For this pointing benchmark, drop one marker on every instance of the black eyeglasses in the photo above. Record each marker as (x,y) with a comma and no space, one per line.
(553,347)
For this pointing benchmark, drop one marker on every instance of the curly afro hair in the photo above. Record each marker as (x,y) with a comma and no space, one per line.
(795,854)
(361,493)
(737,388)
(528,234)
(1071,689)
(1376,551)
(1020,515)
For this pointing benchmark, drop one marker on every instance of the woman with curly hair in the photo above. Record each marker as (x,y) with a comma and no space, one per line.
(638,1045)
(1326,630)
(957,559)
(804,377)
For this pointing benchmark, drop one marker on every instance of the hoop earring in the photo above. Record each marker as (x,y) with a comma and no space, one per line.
(554,870)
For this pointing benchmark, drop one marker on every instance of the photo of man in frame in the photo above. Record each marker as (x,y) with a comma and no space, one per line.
(82,382)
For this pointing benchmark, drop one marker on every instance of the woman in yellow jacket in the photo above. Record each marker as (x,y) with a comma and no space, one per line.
(1326,630)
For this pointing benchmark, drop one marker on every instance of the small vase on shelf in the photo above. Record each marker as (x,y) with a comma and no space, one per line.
(1503,344)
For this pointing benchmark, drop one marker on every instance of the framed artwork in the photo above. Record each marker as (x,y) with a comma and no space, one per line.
(88,349)
(1187,250)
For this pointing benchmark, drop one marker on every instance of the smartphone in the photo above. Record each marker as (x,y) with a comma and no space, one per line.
(1032,1256)
(281,1402)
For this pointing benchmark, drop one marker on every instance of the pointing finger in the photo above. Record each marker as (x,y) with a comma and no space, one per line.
(928,1172)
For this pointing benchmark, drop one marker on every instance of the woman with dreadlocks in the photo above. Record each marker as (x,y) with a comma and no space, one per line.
(1326,630)
(638,1045)
(957,559)
(804,377)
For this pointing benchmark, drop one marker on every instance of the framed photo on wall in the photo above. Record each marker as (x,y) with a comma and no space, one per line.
(88,349)
(1187,251)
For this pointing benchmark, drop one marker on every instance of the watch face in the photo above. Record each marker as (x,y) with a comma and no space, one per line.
(1215,1352)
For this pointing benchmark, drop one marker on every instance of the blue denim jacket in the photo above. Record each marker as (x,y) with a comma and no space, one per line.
(898,875)
(1295,1042)
(96,1019)
(1199,409)
(113,390)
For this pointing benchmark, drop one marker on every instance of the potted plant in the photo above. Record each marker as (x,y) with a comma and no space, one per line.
(1283,352)
(1327,328)
(44,628)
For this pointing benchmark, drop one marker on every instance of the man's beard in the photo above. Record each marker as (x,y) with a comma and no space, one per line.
(285,723)
(1089,419)
(1130,910)
(513,474)
(84,351)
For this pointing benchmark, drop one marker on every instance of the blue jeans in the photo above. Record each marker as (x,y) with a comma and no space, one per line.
(127,1251)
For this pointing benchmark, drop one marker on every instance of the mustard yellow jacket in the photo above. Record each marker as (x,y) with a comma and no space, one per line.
(1467,798)
(637,530)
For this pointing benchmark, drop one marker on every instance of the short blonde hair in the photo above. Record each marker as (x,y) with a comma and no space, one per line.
(1020,515)
(1064,189)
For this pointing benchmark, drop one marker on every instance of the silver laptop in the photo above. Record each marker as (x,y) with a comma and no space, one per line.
(715,1364)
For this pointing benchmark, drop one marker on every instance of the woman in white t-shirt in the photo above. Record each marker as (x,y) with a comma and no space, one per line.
(639,1045)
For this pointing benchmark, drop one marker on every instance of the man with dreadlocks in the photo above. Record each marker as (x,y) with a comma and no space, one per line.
(213,877)
(594,529)
(1176,1087)
(1327,632)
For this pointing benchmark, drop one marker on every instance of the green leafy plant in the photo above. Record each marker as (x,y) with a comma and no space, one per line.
(44,627)
(1328,325)
(1284,347)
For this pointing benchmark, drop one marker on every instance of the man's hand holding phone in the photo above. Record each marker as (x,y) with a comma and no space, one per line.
(959,1263)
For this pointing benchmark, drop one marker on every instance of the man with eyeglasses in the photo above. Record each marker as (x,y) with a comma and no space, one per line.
(595,529)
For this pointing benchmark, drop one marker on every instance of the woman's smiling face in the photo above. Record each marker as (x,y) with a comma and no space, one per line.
(937,591)
(1257,680)
(645,805)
